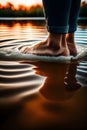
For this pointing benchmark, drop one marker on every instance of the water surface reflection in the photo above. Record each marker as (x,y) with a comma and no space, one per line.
(60,83)
(41,95)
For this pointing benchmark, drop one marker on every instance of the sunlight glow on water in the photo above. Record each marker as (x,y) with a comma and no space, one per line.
(18,33)
(47,93)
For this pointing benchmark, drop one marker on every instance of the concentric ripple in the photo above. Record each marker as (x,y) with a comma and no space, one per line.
(82,73)
(19,80)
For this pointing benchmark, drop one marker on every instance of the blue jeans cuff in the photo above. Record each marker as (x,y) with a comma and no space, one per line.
(72,28)
(58,29)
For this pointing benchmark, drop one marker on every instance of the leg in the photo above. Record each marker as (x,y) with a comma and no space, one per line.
(57,17)
(74,13)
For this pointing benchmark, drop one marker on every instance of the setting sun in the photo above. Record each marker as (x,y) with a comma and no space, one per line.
(27,2)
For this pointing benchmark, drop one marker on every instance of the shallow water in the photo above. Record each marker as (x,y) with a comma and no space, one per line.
(40,95)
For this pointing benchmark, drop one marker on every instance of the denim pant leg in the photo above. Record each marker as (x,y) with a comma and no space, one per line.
(61,15)
(74,13)
(57,15)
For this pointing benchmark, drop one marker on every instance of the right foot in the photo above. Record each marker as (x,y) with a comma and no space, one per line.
(53,46)
(71,44)
(72,48)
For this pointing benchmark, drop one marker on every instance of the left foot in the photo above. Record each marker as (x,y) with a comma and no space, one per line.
(53,46)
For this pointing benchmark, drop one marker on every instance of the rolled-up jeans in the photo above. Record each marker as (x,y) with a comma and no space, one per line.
(61,15)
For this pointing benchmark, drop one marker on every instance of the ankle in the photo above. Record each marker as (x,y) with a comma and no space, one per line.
(64,41)
(54,39)
(70,37)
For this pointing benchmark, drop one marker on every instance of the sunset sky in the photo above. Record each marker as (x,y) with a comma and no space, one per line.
(24,2)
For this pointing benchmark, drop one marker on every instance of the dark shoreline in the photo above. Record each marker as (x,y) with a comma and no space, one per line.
(37,20)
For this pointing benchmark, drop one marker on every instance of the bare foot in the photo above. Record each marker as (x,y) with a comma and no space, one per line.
(72,48)
(53,46)
(71,44)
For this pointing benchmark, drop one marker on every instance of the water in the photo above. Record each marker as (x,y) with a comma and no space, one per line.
(40,95)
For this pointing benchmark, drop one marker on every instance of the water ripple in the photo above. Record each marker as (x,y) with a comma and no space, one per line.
(16,80)
(19,80)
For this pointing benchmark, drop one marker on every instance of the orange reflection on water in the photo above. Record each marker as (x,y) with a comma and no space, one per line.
(60,83)
(59,102)
(55,106)
(21,30)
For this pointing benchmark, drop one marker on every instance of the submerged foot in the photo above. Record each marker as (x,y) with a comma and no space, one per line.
(50,47)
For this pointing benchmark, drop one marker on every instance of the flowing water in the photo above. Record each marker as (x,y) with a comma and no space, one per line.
(40,95)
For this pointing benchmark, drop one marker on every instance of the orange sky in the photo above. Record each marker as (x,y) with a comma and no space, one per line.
(24,2)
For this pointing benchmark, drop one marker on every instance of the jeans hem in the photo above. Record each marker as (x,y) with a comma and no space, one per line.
(72,28)
(58,29)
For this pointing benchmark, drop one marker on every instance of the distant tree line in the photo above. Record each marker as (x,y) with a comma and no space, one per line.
(34,11)
(83,9)
(22,11)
